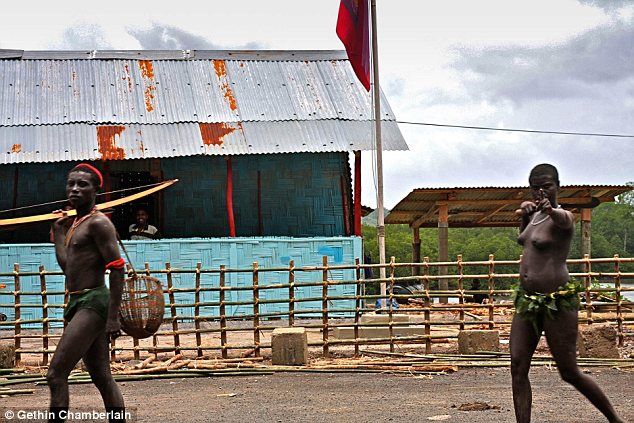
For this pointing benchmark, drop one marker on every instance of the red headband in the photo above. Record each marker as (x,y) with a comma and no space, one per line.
(90,169)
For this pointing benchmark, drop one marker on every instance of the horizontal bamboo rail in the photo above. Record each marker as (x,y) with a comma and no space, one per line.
(213,325)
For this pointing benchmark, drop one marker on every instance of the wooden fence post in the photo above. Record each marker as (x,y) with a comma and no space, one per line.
(45,324)
(324,305)
(197,310)
(17,329)
(256,310)
(460,291)
(357,307)
(619,302)
(390,310)
(170,291)
(223,314)
(291,293)
(427,305)
(587,281)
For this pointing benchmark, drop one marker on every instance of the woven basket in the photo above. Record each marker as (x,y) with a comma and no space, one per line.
(142,306)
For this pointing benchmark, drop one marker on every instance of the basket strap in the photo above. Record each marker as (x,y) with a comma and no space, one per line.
(134,274)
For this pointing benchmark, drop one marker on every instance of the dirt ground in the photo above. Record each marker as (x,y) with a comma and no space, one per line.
(295,397)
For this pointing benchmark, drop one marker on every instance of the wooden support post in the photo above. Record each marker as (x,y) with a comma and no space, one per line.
(45,323)
(416,250)
(324,305)
(586,232)
(460,292)
(427,305)
(357,306)
(17,310)
(619,301)
(357,193)
(229,199)
(197,310)
(587,280)
(443,246)
(390,309)
(291,293)
(170,291)
(223,314)
(256,310)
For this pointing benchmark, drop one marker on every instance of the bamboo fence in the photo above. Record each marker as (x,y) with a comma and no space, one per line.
(212,332)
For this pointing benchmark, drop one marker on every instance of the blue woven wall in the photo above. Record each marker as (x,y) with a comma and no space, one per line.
(37,183)
(301,195)
(234,253)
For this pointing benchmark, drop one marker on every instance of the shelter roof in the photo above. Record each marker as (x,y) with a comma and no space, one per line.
(489,206)
(89,105)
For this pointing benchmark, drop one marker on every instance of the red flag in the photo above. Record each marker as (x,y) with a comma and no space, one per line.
(353,28)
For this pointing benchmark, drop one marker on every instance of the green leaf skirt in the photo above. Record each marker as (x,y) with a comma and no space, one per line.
(534,306)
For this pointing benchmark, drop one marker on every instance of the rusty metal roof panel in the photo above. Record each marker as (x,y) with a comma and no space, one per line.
(54,89)
(84,141)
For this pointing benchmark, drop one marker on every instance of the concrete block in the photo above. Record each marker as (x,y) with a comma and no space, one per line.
(382,319)
(474,341)
(7,356)
(598,341)
(289,346)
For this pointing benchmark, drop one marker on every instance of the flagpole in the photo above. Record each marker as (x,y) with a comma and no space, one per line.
(380,220)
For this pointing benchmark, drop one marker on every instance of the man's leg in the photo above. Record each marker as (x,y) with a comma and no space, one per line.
(561,334)
(97,361)
(77,338)
(522,344)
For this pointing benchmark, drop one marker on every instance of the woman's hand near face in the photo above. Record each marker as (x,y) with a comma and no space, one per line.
(545,206)
(528,208)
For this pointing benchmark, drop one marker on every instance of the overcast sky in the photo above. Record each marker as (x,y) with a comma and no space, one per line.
(563,65)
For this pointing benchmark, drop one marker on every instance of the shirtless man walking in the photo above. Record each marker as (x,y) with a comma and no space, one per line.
(85,247)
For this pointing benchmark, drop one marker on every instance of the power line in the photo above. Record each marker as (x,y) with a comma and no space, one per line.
(530,131)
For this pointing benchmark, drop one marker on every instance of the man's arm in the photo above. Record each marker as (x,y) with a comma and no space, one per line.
(105,236)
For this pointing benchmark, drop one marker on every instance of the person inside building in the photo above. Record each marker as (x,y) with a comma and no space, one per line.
(142,230)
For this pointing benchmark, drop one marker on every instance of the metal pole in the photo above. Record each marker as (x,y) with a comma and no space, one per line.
(380,227)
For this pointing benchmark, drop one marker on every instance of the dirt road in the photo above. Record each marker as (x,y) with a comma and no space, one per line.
(304,397)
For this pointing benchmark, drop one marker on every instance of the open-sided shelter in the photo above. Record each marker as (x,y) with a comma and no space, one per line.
(463,207)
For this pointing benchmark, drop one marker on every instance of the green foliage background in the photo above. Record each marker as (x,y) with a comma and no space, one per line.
(612,233)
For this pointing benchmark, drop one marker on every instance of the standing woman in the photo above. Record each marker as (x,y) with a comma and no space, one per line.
(545,299)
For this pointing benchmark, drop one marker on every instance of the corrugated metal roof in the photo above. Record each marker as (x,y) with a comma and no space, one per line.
(81,141)
(59,91)
(489,206)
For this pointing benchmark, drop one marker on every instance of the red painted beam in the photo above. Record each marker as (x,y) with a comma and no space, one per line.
(232,224)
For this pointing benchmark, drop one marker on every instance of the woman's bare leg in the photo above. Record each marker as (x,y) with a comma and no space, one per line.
(561,334)
(522,344)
